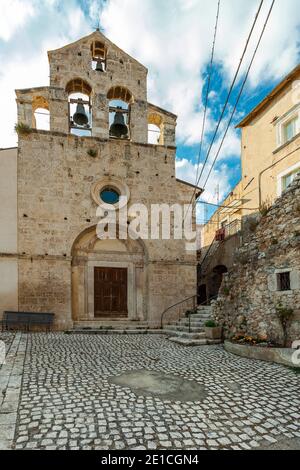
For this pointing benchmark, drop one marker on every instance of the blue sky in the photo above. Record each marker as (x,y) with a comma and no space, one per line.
(173,38)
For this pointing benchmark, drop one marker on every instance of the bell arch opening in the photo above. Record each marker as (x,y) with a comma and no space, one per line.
(98,52)
(80,107)
(40,113)
(120,100)
(108,278)
(155,129)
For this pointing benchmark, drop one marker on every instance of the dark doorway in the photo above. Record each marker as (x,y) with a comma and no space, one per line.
(110,292)
(202,295)
(216,280)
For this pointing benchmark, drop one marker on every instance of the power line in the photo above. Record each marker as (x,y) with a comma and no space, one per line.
(208,89)
(228,207)
(227,100)
(240,94)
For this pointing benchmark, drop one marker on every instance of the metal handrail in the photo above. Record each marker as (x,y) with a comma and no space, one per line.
(193,297)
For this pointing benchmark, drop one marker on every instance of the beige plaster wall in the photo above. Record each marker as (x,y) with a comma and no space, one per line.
(8,231)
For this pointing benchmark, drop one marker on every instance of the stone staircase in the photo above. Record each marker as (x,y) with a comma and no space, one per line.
(118,326)
(191,334)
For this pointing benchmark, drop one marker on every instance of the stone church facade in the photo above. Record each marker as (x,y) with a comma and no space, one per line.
(51,259)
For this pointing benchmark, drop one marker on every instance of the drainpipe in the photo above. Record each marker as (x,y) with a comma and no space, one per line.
(269,168)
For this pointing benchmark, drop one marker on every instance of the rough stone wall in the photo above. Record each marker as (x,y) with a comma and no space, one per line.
(249,295)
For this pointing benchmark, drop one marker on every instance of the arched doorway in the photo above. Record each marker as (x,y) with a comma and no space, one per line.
(108,278)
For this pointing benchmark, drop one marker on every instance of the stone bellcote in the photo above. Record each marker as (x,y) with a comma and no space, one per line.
(107,85)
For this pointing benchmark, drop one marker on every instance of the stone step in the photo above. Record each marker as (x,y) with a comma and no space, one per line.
(183,334)
(194,319)
(199,316)
(184,329)
(188,342)
(194,342)
(110,331)
(110,324)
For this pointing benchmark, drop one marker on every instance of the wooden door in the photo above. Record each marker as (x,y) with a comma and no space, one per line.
(110,291)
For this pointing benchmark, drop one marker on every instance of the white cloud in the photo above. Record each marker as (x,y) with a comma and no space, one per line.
(14,13)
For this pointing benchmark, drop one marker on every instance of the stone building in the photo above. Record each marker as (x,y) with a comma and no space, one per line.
(270,160)
(93,148)
(265,277)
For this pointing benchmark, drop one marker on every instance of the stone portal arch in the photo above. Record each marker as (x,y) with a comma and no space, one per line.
(100,269)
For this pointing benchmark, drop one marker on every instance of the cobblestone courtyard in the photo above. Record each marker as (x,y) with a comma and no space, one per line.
(68,397)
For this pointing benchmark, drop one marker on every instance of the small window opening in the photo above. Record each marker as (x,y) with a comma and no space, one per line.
(155,123)
(98,51)
(154,134)
(42,119)
(41,114)
(290,129)
(284,281)
(288,179)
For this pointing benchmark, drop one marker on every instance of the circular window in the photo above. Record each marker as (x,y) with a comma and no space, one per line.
(110,196)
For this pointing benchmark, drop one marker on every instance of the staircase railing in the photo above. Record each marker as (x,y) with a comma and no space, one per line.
(179,308)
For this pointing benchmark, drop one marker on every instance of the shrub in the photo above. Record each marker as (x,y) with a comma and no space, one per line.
(22,129)
(226,291)
(210,324)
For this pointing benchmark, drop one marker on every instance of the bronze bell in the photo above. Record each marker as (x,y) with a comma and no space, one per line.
(118,127)
(80,117)
(99,66)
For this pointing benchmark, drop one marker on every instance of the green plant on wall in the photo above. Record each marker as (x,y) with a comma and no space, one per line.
(22,129)
(285,315)
(264,208)
(226,291)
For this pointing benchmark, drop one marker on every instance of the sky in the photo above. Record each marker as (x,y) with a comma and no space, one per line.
(173,38)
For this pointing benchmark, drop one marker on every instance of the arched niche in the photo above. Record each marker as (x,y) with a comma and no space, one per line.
(89,253)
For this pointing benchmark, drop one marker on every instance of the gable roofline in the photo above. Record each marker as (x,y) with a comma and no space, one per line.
(269,98)
(189,184)
(95,35)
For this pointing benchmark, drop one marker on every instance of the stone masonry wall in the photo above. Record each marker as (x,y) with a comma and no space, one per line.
(55,177)
(250,295)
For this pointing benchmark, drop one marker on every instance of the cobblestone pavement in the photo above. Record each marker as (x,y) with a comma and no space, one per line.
(7,337)
(68,400)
